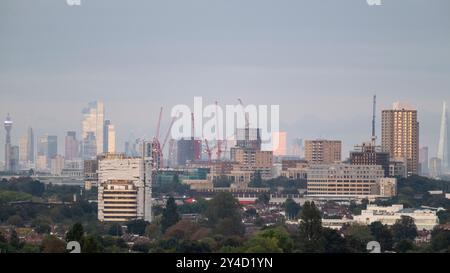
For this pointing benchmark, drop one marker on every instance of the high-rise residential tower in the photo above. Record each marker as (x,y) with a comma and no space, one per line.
(323,151)
(444,140)
(400,136)
(93,122)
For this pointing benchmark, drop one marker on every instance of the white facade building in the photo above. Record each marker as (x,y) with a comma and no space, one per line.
(124,188)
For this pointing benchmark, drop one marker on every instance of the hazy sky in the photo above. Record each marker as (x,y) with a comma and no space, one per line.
(320,60)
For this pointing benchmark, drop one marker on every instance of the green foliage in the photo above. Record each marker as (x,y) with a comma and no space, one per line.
(291,208)
(115,230)
(383,235)
(137,227)
(90,244)
(224,215)
(404,229)
(310,229)
(170,215)
(257,181)
(51,244)
(13,196)
(440,241)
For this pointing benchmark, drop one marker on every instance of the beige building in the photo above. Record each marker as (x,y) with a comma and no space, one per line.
(123,193)
(400,136)
(253,160)
(323,151)
(296,170)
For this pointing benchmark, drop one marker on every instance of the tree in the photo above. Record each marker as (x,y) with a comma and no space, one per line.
(43,229)
(224,215)
(170,215)
(75,233)
(334,242)
(383,235)
(284,240)
(440,240)
(90,244)
(264,199)
(357,237)
(51,244)
(404,229)
(310,229)
(16,221)
(137,227)
(14,240)
(291,208)
(257,181)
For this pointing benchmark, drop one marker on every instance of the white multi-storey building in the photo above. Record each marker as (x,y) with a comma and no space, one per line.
(344,180)
(124,188)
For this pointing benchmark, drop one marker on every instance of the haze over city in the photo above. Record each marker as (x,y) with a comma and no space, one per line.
(321,70)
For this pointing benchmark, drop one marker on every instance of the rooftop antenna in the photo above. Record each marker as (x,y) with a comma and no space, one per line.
(374,137)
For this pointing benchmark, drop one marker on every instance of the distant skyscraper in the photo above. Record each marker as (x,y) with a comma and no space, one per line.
(279,139)
(8,127)
(444,140)
(26,148)
(93,122)
(423,161)
(400,136)
(297,148)
(31,145)
(48,148)
(90,146)
(109,135)
(72,146)
(23,149)
(52,147)
(435,167)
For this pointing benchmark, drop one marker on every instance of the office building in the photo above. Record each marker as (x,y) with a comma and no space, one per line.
(253,160)
(323,151)
(89,147)
(280,140)
(435,167)
(400,136)
(124,188)
(109,135)
(93,125)
(444,141)
(423,161)
(249,138)
(297,148)
(48,148)
(367,154)
(57,165)
(8,124)
(188,150)
(72,146)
